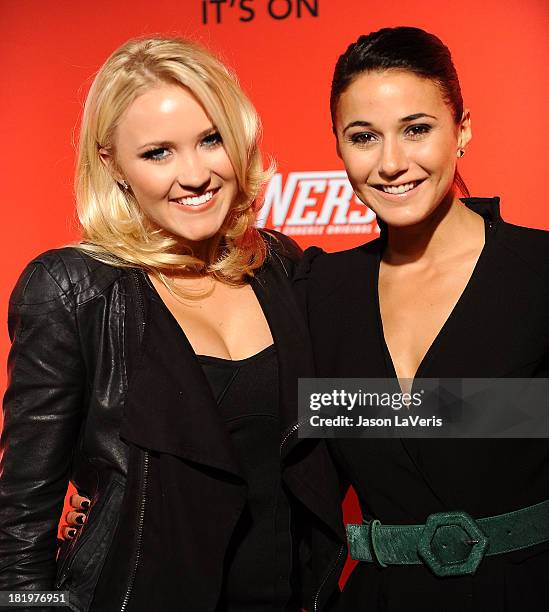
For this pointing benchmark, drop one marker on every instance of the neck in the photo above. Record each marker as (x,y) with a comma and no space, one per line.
(451,228)
(200,250)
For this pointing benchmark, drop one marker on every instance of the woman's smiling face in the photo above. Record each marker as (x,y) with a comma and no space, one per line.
(172,157)
(399,142)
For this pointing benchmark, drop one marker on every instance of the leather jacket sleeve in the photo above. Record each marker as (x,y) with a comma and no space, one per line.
(42,417)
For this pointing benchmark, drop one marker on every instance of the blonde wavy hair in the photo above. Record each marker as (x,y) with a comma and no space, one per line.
(114,228)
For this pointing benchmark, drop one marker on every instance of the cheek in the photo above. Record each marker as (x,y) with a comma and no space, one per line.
(437,158)
(219,163)
(152,182)
(358,165)
(229,175)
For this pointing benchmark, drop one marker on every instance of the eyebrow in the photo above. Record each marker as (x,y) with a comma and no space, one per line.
(166,143)
(403,120)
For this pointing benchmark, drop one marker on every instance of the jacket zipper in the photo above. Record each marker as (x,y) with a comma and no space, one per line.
(332,568)
(84,536)
(140,318)
(139,537)
(71,556)
(288,433)
(285,437)
(140,310)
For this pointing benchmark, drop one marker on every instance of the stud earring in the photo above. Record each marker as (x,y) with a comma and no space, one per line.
(124,185)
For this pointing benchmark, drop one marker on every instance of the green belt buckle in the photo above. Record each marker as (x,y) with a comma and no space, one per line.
(452,544)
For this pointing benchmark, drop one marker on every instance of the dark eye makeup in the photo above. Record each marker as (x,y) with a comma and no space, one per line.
(418,129)
(414,132)
(362,138)
(156,154)
(212,139)
(159,153)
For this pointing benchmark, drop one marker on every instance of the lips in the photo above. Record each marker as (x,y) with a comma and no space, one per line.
(196,201)
(401,188)
(400,191)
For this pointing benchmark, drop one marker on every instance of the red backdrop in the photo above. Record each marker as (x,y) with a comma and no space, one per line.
(283,52)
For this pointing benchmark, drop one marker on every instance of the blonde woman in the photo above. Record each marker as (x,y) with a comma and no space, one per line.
(154,365)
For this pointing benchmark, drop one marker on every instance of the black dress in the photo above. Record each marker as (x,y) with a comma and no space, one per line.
(498,328)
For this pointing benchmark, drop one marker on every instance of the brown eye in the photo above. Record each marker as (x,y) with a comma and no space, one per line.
(362,138)
(417,131)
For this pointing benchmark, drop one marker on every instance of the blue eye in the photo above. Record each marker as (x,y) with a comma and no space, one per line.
(212,140)
(157,154)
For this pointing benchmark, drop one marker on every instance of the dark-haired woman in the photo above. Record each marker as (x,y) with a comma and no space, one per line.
(449,290)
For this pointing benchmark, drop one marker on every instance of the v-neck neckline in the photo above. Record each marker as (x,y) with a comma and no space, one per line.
(286,328)
(433,347)
(156,295)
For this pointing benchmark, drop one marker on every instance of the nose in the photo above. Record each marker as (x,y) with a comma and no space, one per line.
(192,172)
(393,160)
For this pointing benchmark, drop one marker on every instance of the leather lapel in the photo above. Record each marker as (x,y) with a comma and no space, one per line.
(311,478)
(274,293)
(170,407)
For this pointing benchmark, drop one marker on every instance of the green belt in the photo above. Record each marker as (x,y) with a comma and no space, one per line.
(450,543)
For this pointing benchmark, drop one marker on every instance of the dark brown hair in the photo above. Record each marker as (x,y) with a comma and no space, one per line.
(402,48)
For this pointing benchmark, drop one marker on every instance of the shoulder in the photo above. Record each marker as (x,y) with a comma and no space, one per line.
(527,245)
(66,275)
(535,240)
(320,267)
(282,244)
(320,275)
(281,251)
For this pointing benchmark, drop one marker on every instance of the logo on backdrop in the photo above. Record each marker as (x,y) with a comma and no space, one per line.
(315,203)
(216,11)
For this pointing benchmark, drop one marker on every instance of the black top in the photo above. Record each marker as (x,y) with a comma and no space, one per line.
(258,561)
(255,570)
(498,328)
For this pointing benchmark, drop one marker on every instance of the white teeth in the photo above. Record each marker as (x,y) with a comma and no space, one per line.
(196,200)
(399,189)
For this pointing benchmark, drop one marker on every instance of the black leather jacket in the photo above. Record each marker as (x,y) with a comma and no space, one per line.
(76,326)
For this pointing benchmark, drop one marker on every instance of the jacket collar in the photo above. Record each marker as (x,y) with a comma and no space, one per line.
(485,207)
(170,407)
(488,208)
(277,299)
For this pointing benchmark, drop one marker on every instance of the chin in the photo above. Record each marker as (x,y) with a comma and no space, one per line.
(397,216)
(195,237)
(404,215)
(403,218)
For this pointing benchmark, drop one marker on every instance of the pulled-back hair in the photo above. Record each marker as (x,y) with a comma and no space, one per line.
(115,229)
(406,49)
